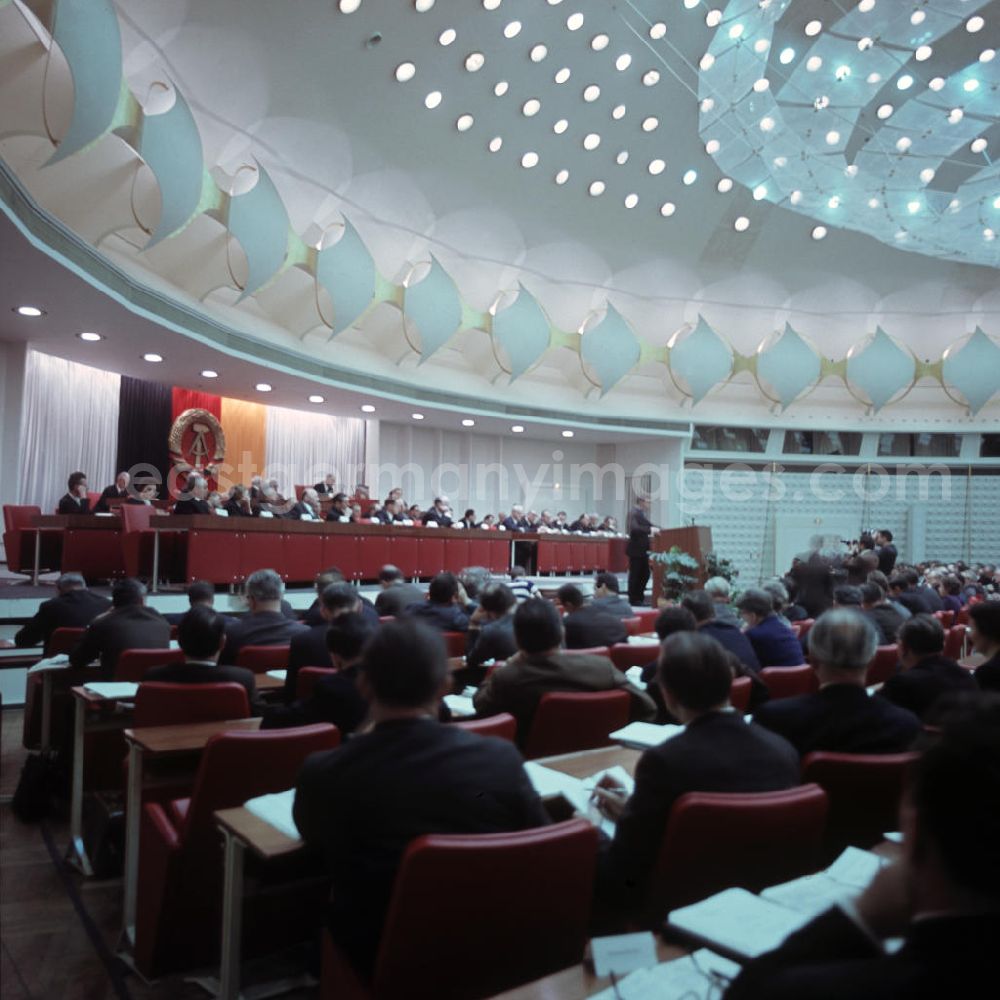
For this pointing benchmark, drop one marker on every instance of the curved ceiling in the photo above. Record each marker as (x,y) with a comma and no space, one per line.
(544,201)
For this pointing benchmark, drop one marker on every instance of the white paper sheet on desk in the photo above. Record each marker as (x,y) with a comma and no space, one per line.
(643,640)
(278,675)
(58,662)
(460,705)
(112,689)
(856,868)
(623,953)
(276,809)
(634,674)
(548,782)
(738,922)
(813,894)
(683,977)
(644,734)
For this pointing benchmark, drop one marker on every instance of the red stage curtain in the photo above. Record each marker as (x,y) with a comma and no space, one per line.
(192,399)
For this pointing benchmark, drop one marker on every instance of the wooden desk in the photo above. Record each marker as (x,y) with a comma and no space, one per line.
(584,763)
(157,741)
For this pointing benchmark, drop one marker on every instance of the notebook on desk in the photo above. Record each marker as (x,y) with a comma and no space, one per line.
(643,735)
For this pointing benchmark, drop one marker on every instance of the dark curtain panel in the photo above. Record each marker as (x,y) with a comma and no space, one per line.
(144,419)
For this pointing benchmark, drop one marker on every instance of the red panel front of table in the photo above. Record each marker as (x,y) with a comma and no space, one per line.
(95,554)
(499,555)
(617,560)
(214,556)
(456,555)
(590,555)
(479,552)
(430,556)
(378,550)
(547,562)
(342,551)
(303,558)
(262,550)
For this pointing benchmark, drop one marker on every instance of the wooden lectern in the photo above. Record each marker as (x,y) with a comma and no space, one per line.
(694,540)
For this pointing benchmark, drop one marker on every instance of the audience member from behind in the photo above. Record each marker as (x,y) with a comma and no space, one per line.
(883,615)
(846,596)
(519,583)
(200,593)
(942,896)
(396,593)
(718,588)
(335,697)
(265,625)
(73,607)
(607,596)
(363,803)
(309,648)
(128,625)
(491,629)
(314,614)
(588,626)
(984,626)
(927,672)
(717,752)
(444,608)
(201,635)
(775,644)
(540,666)
(841,717)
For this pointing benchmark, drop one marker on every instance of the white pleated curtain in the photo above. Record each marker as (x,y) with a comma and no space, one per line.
(303,447)
(70,423)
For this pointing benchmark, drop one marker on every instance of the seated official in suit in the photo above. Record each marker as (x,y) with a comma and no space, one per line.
(334,698)
(392,512)
(128,625)
(927,672)
(118,490)
(363,803)
(200,594)
(328,486)
(439,513)
(396,594)
(445,607)
(942,896)
(984,631)
(194,499)
(775,644)
(607,596)
(75,499)
(491,630)
(516,521)
(238,503)
(883,615)
(717,752)
(265,625)
(309,648)
(841,717)
(73,607)
(340,509)
(585,625)
(201,636)
(306,509)
(540,666)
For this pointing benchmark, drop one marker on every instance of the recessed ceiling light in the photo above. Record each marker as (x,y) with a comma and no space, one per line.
(153,358)
(707,61)
(562,176)
(567,434)
(262,387)
(475,61)
(767,124)
(563,75)
(622,158)
(923,53)
(650,78)
(761,45)
(591,92)
(707,104)
(786,56)
(512,30)
(657,30)
(989,234)
(316,398)
(491,4)
(832,137)
(712,146)
(821,103)
(657,166)
(866,5)
(531,107)
(917,17)
(905,82)
(884,111)
(422,6)
(795,197)
(32,312)
(667,209)
(623,62)
(873,203)
(834,202)
(987,55)
(813,28)
(560,126)
(596,188)
(842,72)
(713,17)
(742,224)
(432,100)
(538,53)
(529,160)
(691,4)
(405,71)
(927,175)
(367,408)
(464,123)
(575,21)
(781,161)
(501,88)
(468,423)
(759,192)
(649,124)
(736,31)
(813,63)
(209,373)
(599,42)
(955,115)
(761,85)
(937,83)
(348,6)
(90,337)
(724,186)
(913,207)
(978,145)
(690,176)
(447,36)
(874,78)
(903,143)
(591,141)
(517,429)
(618,112)
(495,143)
(417,416)
(970,85)
(631,200)
(819,232)
(974,24)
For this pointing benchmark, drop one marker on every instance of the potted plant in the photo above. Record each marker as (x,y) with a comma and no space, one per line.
(678,572)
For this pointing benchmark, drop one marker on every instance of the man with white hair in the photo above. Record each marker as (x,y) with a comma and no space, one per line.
(717,587)
(516,521)
(118,491)
(265,625)
(196,501)
(307,509)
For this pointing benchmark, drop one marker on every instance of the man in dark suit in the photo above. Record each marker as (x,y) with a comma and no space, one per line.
(334,698)
(117,491)
(265,625)
(491,630)
(392,512)
(881,613)
(846,596)
(439,513)
(74,607)
(306,509)
(587,626)
(201,635)
(942,897)
(314,614)
(515,521)
(927,672)
(607,596)
(193,500)
(717,752)
(885,551)
(444,608)
(841,717)
(200,593)
(775,644)
(363,803)
(238,504)
(328,486)
(984,631)
(639,532)
(903,591)
(725,633)
(308,648)
(540,666)
(128,625)
(75,499)
(396,593)
(340,510)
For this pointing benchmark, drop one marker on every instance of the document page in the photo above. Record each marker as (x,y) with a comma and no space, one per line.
(276,809)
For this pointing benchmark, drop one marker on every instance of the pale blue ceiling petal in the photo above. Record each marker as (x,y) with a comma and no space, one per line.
(259,220)
(881,369)
(347,271)
(522,330)
(435,308)
(171,147)
(87,32)
(974,369)
(702,359)
(788,367)
(610,348)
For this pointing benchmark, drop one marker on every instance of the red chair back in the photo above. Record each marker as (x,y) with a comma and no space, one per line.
(962,618)
(19,541)
(503,726)
(306,678)
(456,642)
(953,641)
(135,517)
(133,664)
(780,837)
(590,651)
(566,721)
(647,620)
(801,629)
(632,625)
(63,640)
(531,906)
(864,791)
(884,665)
(787,682)
(624,655)
(739,694)
(159,704)
(946,618)
(260,659)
